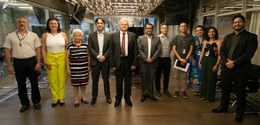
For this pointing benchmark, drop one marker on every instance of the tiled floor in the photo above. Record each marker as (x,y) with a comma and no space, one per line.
(167,111)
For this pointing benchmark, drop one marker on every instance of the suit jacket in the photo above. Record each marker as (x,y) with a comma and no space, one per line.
(143,48)
(244,51)
(115,55)
(94,48)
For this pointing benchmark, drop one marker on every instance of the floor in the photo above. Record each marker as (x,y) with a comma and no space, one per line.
(167,111)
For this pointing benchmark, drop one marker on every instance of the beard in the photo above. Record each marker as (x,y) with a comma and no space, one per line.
(238,28)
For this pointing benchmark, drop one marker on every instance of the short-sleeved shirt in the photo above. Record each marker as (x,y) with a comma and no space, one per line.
(183,45)
(22,46)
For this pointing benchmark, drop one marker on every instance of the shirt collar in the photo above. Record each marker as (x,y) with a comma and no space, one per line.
(100,32)
(162,36)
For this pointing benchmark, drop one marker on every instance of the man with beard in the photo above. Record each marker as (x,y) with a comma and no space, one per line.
(149,48)
(24,47)
(236,52)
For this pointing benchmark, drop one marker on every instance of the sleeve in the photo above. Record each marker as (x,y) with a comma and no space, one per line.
(36,40)
(7,43)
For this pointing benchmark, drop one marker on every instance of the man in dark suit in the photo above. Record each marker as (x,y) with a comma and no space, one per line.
(149,48)
(123,55)
(98,43)
(236,52)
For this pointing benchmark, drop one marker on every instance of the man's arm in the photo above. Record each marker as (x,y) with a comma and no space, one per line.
(8,60)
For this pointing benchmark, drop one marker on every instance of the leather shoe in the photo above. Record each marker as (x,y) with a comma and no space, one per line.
(152,98)
(143,98)
(167,93)
(53,104)
(239,118)
(37,106)
(109,100)
(219,110)
(93,101)
(117,103)
(128,102)
(24,108)
(76,105)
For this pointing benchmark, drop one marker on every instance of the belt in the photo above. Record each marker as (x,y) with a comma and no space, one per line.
(29,58)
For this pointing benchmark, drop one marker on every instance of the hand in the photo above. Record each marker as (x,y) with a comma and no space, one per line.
(11,70)
(47,65)
(101,58)
(68,71)
(149,60)
(133,67)
(37,67)
(193,62)
(215,68)
(230,64)
(183,61)
(200,66)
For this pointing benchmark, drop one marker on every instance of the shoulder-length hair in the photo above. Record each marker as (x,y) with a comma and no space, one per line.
(48,27)
(216,33)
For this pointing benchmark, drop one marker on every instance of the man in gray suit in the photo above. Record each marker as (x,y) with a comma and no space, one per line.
(98,43)
(149,48)
(123,55)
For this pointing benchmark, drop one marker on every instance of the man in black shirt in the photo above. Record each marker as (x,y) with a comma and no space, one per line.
(236,52)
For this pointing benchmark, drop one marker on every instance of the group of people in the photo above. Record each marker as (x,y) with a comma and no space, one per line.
(122,52)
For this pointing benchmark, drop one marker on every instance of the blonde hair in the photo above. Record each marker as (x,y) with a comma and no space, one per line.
(77,31)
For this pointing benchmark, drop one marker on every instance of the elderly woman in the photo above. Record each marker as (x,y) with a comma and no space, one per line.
(54,42)
(77,65)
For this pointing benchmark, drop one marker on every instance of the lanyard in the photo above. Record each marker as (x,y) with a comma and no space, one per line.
(20,39)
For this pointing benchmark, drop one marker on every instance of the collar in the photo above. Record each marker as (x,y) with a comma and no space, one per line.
(162,36)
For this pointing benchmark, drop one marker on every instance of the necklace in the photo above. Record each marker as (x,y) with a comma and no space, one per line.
(20,39)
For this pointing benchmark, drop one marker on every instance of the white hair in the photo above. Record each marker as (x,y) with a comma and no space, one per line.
(77,31)
(123,19)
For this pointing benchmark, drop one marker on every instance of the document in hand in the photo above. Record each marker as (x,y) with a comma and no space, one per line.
(179,66)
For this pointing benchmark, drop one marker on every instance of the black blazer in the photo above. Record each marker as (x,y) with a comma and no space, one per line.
(94,48)
(244,51)
(115,56)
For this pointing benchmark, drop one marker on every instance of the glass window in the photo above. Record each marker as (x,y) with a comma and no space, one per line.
(225,25)
(209,21)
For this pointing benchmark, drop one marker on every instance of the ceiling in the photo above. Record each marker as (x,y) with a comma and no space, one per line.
(132,7)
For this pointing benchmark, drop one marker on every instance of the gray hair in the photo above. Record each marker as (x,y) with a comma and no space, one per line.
(77,31)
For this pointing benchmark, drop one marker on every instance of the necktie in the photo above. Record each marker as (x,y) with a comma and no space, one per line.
(123,45)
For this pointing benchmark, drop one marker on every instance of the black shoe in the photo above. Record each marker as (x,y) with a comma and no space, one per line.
(143,98)
(93,101)
(109,100)
(239,118)
(117,103)
(84,101)
(219,110)
(128,102)
(76,105)
(53,104)
(37,106)
(167,93)
(152,98)
(158,93)
(24,108)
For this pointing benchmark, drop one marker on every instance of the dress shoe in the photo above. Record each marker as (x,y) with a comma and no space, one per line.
(117,103)
(53,104)
(143,98)
(167,93)
(109,100)
(152,98)
(239,118)
(24,108)
(62,103)
(158,93)
(76,105)
(184,95)
(128,102)
(84,101)
(37,106)
(93,101)
(219,110)
(176,94)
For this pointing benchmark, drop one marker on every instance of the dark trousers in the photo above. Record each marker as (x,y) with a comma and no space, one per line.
(230,79)
(147,72)
(123,72)
(25,68)
(165,68)
(104,69)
